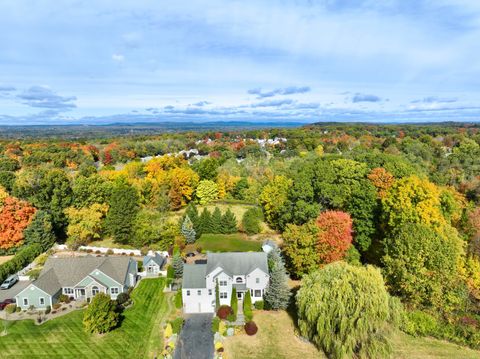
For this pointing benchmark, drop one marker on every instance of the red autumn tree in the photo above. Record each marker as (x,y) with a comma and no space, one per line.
(15,216)
(334,237)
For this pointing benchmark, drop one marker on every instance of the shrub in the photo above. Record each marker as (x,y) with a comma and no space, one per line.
(11,308)
(64,298)
(251,328)
(56,306)
(224,311)
(259,305)
(231,317)
(48,309)
(177,325)
(178,299)
(100,316)
(168,331)
(89,250)
(247,307)
(251,221)
(110,252)
(215,324)
(98,252)
(131,254)
(222,328)
(418,323)
(123,298)
(23,257)
(170,272)
(18,310)
(233,305)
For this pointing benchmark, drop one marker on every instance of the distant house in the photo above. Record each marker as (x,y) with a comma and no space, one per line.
(243,271)
(80,278)
(153,264)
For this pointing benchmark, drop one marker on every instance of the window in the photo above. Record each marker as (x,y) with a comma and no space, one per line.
(258,293)
(25,301)
(223,283)
(68,290)
(95,290)
(223,295)
(42,301)
(257,280)
(188,292)
(209,292)
(199,292)
(239,280)
(114,290)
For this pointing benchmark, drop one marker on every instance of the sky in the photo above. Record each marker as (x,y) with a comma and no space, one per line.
(109,61)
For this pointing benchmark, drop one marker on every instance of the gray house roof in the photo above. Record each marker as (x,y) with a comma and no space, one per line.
(240,263)
(157,259)
(194,276)
(67,272)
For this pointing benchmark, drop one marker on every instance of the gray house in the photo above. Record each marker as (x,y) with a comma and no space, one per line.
(154,264)
(80,278)
(244,271)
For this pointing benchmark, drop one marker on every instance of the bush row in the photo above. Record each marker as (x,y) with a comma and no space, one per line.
(23,257)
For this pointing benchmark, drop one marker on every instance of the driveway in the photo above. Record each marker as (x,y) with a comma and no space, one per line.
(196,338)
(12,292)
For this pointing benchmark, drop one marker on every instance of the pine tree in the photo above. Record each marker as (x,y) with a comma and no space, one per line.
(217,295)
(229,222)
(187,230)
(206,221)
(234,302)
(192,212)
(40,230)
(177,264)
(278,292)
(247,306)
(217,220)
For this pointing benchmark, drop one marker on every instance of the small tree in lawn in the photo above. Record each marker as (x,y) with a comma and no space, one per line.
(100,316)
(234,303)
(217,219)
(278,292)
(206,221)
(187,230)
(229,222)
(177,264)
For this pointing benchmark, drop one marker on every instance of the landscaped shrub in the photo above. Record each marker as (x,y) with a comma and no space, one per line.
(231,317)
(247,307)
(251,328)
(97,252)
(110,252)
(418,323)
(64,298)
(100,316)
(22,258)
(177,325)
(224,311)
(11,308)
(178,299)
(18,309)
(233,305)
(56,306)
(48,309)
(259,304)
(123,298)
(215,324)
(167,333)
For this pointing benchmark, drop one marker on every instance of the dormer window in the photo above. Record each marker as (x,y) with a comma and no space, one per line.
(239,280)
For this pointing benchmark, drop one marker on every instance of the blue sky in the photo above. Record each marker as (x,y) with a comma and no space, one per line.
(358,60)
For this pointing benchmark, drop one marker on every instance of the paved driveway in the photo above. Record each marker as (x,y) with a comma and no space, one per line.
(12,292)
(196,338)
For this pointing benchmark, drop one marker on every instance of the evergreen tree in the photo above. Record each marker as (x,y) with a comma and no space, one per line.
(206,221)
(122,213)
(177,264)
(187,230)
(278,292)
(192,212)
(247,307)
(217,220)
(234,303)
(217,295)
(40,230)
(229,222)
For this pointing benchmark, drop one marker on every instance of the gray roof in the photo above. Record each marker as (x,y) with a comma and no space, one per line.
(237,263)
(157,259)
(67,272)
(194,276)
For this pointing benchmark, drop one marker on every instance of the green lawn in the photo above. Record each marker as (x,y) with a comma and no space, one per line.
(139,335)
(228,243)
(109,243)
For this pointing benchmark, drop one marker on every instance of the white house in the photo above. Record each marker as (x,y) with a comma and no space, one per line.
(153,264)
(243,271)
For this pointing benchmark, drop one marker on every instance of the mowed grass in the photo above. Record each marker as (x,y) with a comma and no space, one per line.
(139,336)
(4,259)
(276,339)
(228,243)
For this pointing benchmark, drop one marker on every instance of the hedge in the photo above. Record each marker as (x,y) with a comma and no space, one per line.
(24,256)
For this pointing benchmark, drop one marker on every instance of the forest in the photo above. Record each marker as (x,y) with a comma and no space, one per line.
(396,205)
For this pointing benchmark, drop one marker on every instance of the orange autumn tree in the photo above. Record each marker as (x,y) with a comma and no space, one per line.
(334,236)
(15,216)
(381,179)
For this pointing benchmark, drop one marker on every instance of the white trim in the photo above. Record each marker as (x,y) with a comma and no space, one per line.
(33,285)
(40,301)
(23,301)
(118,290)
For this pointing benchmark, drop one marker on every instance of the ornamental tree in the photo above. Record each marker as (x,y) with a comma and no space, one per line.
(187,230)
(278,292)
(334,236)
(344,310)
(207,191)
(100,315)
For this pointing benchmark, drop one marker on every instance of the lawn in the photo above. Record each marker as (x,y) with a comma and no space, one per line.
(4,259)
(139,335)
(228,243)
(276,339)
(109,243)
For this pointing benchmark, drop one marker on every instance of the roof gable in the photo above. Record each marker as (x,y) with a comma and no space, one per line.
(237,263)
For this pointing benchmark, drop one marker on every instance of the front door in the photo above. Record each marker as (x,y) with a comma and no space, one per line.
(80,293)
(239,295)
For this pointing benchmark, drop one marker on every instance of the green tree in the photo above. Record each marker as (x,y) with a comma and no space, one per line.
(100,316)
(217,295)
(40,230)
(217,221)
(299,246)
(206,221)
(7,180)
(273,199)
(207,191)
(192,212)
(251,221)
(85,224)
(234,303)
(177,264)
(421,265)
(90,190)
(229,222)
(151,227)
(345,311)
(278,292)
(239,189)
(187,230)
(207,169)
(247,307)
(123,211)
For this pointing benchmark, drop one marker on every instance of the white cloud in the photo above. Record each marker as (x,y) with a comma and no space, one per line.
(118,57)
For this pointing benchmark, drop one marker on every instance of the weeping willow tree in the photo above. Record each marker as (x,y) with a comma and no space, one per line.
(346,311)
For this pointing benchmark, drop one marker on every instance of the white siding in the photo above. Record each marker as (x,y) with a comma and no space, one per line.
(253,285)
(198,301)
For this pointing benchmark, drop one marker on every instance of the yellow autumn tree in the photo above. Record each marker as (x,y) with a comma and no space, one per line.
(226,183)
